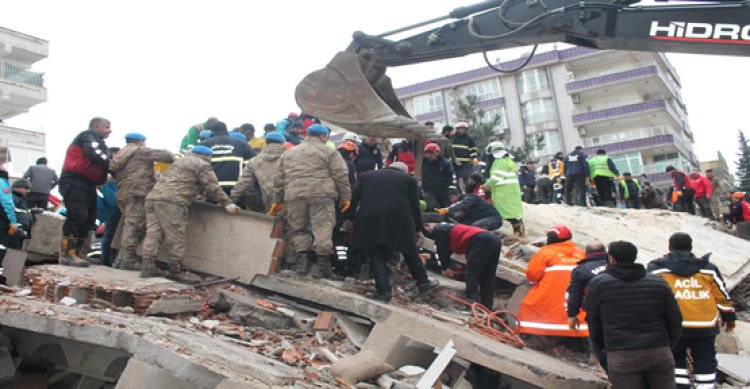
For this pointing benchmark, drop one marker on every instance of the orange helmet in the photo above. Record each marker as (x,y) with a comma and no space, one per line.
(349,146)
(738,195)
(432,147)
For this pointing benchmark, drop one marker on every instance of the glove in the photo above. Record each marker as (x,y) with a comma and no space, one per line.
(573,323)
(276,208)
(232,209)
(442,211)
(729,325)
(475,162)
(344,205)
(12,229)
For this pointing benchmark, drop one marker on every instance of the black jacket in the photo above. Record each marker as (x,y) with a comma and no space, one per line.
(589,267)
(526,176)
(472,208)
(629,309)
(228,156)
(368,158)
(437,176)
(464,148)
(576,164)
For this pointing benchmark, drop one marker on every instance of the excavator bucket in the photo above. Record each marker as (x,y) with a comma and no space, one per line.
(354,93)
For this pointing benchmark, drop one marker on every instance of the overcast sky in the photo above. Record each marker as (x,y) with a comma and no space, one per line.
(158,67)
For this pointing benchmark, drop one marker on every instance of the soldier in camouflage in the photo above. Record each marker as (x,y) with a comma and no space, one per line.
(167,209)
(261,170)
(309,179)
(133,167)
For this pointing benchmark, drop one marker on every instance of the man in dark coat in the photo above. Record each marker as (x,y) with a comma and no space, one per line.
(229,155)
(527,179)
(437,177)
(576,174)
(472,210)
(369,157)
(385,211)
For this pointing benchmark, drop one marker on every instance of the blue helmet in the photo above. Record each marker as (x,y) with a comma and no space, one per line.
(272,137)
(202,150)
(135,136)
(239,136)
(318,129)
(205,134)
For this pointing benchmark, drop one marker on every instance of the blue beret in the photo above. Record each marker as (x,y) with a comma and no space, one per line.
(205,134)
(275,137)
(318,129)
(135,136)
(239,136)
(203,150)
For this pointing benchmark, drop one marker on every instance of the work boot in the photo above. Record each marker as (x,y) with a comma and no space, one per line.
(129,260)
(381,297)
(177,273)
(427,286)
(149,269)
(518,229)
(322,267)
(302,266)
(68,257)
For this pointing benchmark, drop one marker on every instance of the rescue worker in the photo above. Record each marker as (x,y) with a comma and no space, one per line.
(294,135)
(556,172)
(445,142)
(22,229)
(229,155)
(630,191)
(465,157)
(370,157)
(401,152)
(577,171)
(651,197)
(310,179)
(705,305)
(544,186)
(542,311)
(43,179)
(133,167)
(86,166)
(506,192)
(739,215)
(437,177)
(238,135)
(256,143)
(482,251)
(527,180)
(717,188)
(349,151)
(167,210)
(260,171)
(703,193)
(682,192)
(472,210)
(8,221)
(634,316)
(603,172)
(191,139)
(205,134)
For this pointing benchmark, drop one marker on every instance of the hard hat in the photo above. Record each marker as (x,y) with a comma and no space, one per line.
(292,115)
(559,233)
(738,195)
(432,147)
(135,136)
(275,137)
(462,124)
(317,129)
(239,136)
(202,150)
(349,146)
(205,134)
(352,137)
(494,146)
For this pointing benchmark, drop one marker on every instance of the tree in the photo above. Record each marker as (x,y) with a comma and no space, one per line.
(743,164)
(527,150)
(480,128)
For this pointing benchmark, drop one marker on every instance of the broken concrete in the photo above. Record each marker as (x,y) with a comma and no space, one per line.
(394,324)
(13,265)
(173,305)
(245,310)
(45,241)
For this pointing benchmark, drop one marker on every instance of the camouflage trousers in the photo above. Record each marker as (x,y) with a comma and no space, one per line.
(311,223)
(165,221)
(133,222)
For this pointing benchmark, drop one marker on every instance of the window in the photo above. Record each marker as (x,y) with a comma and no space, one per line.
(538,111)
(662,161)
(629,162)
(486,90)
(532,80)
(491,114)
(432,102)
(550,144)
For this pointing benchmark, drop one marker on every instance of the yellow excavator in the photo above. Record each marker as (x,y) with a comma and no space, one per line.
(353,92)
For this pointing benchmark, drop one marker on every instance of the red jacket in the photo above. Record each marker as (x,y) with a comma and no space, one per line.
(702,187)
(739,212)
(460,237)
(88,157)
(681,180)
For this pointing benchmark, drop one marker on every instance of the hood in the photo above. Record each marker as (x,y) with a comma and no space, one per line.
(682,263)
(598,256)
(627,271)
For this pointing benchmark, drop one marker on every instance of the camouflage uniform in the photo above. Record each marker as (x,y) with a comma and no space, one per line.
(309,179)
(260,169)
(167,206)
(717,192)
(133,168)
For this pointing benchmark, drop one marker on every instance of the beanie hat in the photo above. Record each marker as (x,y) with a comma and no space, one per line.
(219,128)
(317,129)
(399,166)
(275,137)
(205,134)
(135,136)
(239,136)
(202,150)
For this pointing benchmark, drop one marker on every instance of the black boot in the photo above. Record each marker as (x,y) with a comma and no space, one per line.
(322,267)
(427,286)
(302,266)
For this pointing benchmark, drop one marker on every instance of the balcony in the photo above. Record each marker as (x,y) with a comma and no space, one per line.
(612,78)
(22,48)
(15,73)
(626,111)
(20,89)
(640,133)
(637,144)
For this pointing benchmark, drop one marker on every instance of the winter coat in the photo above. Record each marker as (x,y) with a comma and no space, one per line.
(185,180)
(526,176)
(739,211)
(681,181)
(228,157)
(602,166)
(472,208)
(629,309)
(555,169)
(293,138)
(702,187)
(133,167)
(506,193)
(385,210)
(190,139)
(589,267)
(42,179)
(260,170)
(454,238)
(542,311)
(630,189)
(576,164)
(437,175)
(699,289)
(402,153)
(368,158)
(311,170)
(464,149)
(7,209)
(106,203)
(87,157)
(23,214)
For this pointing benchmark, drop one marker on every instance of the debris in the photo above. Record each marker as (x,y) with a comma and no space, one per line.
(359,367)
(356,333)
(331,357)
(324,322)
(68,301)
(13,265)
(22,293)
(735,367)
(215,282)
(172,305)
(249,311)
(441,362)
(210,324)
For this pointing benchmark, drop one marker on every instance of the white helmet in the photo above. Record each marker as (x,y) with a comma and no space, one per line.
(352,137)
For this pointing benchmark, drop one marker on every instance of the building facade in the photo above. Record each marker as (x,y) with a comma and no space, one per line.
(20,89)
(627,103)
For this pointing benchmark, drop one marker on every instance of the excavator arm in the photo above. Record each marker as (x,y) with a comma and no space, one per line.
(353,92)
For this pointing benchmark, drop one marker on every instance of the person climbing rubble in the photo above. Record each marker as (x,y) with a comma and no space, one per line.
(167,210)
(310,179)
(472,210)
(506,191)
(739,215)
(682,193)
(260,170)
(437,177)
(482,251)
(133,167)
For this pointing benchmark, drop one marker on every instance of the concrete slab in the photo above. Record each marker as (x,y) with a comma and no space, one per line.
(45,241)
(172,305)
(735,366)
(394,323)
(13,265)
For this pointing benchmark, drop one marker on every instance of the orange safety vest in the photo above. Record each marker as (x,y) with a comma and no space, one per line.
(542,311)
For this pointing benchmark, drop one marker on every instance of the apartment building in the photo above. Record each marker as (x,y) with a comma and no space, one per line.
(20,89)
(625,102)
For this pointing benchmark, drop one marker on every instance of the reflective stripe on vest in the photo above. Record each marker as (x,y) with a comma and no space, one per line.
(545,326)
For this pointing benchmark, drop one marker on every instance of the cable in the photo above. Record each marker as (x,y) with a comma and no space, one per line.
(474,33)
(523,65)
(486,322)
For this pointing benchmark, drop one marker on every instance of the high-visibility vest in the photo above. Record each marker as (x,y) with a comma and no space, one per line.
(599,166)
(626,191)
